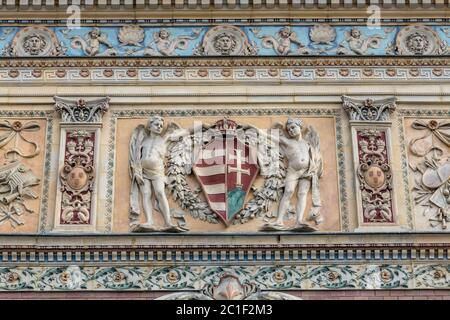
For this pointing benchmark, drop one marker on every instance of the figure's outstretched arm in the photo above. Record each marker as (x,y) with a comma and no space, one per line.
(176,132)
(280,138)
(177,135)
(103,39)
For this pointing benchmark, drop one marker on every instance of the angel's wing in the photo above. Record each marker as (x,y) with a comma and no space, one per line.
(181,154)
(172,127)
(137,137)
(316,163)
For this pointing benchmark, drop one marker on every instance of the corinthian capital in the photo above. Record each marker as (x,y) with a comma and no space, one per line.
(81,111)
(369,109)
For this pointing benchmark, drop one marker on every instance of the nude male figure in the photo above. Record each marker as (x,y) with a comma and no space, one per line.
(304,165)
(148,148)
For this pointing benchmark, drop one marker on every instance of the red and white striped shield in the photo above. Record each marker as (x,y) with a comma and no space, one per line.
(226,169)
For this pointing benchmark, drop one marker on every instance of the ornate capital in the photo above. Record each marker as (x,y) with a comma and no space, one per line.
(81,111)
(369,109)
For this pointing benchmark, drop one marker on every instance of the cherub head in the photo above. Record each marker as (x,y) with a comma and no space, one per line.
(163,34)
(94,33)
(285,32)
(155,124)
(294,127)
(355,33)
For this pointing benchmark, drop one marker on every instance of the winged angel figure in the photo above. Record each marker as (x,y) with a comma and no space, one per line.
(149,146)
(148,149)
(304,168)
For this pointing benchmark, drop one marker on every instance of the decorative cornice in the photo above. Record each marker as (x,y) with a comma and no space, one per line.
(167,5)
(224,254)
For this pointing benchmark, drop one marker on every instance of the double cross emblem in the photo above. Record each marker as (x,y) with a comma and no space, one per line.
(238,169)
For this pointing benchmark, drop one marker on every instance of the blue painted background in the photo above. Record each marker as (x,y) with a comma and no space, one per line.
(302,32)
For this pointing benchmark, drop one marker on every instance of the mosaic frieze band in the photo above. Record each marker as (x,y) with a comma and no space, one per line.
(133,40)
(310,277)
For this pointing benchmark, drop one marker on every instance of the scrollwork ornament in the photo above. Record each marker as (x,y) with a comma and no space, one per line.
(369,109)
(432,170)
(17,180)
(81,111)
(356,43)
(282,43)
(77,178)
(375,176)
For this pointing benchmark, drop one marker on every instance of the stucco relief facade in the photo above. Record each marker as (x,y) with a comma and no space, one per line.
(214,160)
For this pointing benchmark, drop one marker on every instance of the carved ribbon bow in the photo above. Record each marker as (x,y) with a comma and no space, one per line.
(15,131)
(435,129)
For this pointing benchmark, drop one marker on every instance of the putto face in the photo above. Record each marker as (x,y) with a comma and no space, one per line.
(285,33)
(156,125)
(95,33)
(356,33)
(164,34)
(293,129)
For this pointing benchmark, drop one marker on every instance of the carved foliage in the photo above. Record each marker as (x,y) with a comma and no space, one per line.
(375,176)
(239,282)
(77,177)
(369,109)
(81,110)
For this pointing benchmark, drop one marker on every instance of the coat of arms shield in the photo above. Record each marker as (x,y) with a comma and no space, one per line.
(226,168)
